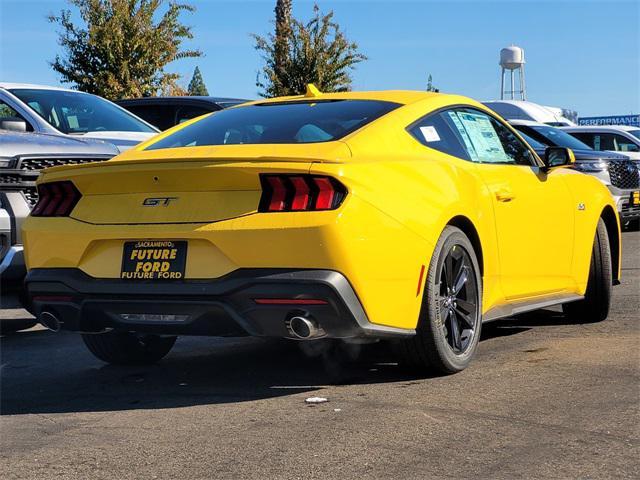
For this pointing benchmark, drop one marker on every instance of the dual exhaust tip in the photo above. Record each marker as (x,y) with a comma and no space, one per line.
(49,321)
(304,328)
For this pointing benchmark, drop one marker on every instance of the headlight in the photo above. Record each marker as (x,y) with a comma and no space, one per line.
(590,166)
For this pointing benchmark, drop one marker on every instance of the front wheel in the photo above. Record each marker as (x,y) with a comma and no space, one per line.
(124,348)
(597,299)
(451,316)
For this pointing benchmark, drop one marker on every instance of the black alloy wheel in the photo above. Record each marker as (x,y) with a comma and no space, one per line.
(458,300)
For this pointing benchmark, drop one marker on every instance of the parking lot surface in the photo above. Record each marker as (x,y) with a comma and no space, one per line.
(543,399)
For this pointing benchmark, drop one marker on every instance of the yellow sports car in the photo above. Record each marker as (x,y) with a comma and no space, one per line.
(399,215)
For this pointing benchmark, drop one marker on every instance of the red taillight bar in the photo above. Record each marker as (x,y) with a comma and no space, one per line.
(56,199)
(294,193)
(301,194)
(278,194)
(52,298)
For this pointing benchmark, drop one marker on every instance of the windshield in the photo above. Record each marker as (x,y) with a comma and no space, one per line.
(552,137)
(532,141)
(283,122)
(77,113)
(635,133)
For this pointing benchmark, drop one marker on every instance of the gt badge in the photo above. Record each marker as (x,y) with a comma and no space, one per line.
(154,202)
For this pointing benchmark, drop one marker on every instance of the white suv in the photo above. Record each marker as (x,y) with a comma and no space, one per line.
(621,139)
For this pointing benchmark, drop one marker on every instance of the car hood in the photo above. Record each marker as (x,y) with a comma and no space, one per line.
(591,155)
(122,140)
(28,143)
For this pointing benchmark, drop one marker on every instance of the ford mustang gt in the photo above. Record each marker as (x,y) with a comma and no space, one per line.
(400,215)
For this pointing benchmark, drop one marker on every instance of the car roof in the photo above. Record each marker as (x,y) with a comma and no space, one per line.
(31,86)
(579,128)
(529,123)
(398,96)
(178,99)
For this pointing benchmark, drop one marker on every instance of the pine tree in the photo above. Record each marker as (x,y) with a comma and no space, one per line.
(121,48)
(281,41)
(196,85)
(299,53)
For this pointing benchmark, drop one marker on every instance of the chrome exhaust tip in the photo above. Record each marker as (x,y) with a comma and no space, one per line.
(49,321)
(303,328)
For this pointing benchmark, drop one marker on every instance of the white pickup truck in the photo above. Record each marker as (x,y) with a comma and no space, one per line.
(22,156)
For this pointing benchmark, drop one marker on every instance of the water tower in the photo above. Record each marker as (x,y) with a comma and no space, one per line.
(512,59)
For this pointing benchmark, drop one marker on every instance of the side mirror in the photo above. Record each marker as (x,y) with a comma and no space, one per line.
(558,157)
(14,124)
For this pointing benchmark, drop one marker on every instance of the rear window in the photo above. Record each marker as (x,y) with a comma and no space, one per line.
(284,122)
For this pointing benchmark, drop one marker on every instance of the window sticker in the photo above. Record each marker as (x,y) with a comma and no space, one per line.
(430,134)
(463,133)
(477,130)
(72,120)
(596,142)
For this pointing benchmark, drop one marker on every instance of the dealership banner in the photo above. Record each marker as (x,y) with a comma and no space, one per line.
(628,120)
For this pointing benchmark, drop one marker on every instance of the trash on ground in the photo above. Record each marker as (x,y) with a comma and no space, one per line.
(316,400)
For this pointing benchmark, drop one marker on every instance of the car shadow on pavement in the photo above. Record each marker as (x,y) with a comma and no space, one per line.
(43,372)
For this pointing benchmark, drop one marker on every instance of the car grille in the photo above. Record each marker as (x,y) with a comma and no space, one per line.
(23,172)
(40,163)
(624,174)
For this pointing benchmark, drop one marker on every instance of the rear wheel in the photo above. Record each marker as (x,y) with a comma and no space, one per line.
(597,299)
(450,320)
(124,348)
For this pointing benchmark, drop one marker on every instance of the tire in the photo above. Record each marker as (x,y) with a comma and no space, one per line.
(123,348)
(597,299)
(436,347)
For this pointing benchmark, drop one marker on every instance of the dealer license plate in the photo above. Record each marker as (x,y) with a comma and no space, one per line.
(154,260)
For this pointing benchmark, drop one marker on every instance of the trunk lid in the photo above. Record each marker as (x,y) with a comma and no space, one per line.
(183,185)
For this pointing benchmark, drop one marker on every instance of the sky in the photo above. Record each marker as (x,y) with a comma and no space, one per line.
(583,55)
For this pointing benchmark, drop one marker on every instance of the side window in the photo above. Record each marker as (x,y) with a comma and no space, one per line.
(12,120)
(584,137)
(160,116)
(435,132)
(187,113)
(486,140)
(623,144)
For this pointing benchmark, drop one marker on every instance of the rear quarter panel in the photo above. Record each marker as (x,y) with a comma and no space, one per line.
(421,189)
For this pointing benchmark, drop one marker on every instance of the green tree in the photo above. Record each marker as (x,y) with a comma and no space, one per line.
(299,53)
(196,85)
(122,47)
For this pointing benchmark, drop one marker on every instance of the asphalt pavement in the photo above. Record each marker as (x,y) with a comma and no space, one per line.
(544,399)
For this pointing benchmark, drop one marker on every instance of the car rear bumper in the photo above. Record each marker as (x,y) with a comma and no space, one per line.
(222,307)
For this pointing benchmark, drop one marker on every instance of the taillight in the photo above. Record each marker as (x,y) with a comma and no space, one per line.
(294,193)
(56,199)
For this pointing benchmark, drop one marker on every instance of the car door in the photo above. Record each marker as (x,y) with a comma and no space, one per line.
(534,213)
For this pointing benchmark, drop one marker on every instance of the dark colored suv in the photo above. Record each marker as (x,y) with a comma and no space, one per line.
(166,112)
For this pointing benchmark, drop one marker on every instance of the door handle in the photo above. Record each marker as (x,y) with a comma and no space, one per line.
(504,195)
